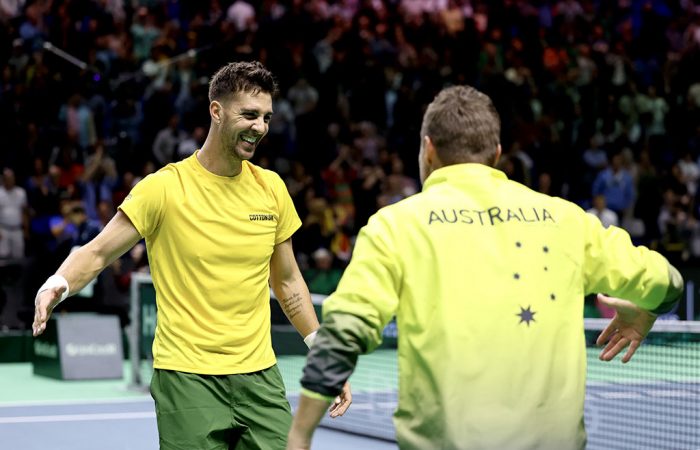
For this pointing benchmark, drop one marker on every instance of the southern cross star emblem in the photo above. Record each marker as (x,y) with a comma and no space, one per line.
(526,315)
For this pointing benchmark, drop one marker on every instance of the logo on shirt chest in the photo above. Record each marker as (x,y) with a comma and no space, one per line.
(261,217)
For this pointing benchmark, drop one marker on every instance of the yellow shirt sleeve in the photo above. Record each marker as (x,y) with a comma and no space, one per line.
(145,204)
(289,221)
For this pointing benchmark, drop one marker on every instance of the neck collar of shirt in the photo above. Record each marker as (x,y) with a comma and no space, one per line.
(468,173)
(199,168)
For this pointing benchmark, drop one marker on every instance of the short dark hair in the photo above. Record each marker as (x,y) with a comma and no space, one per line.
(241,76)
(77,209)
(463,125)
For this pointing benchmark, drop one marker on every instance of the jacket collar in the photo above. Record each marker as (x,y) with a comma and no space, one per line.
(468,173)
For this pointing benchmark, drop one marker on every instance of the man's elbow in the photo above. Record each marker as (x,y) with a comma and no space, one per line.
(94,256)
(673,291)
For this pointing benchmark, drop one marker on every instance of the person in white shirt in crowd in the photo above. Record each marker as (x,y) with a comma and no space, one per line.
(13,216)
(690,172)
(601,211)
(167,141)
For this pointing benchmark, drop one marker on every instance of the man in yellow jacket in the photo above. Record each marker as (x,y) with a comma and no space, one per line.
(486,279)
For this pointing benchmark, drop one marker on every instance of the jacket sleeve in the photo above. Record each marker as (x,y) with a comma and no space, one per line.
(354,317)
(613,265)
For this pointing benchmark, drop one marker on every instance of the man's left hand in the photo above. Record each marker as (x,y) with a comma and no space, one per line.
(341,402)
(626,330)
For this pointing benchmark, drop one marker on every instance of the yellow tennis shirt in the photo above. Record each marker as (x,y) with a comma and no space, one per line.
(209,240)
(487,280)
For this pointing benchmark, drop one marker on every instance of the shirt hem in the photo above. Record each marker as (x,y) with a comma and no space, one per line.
(224,371)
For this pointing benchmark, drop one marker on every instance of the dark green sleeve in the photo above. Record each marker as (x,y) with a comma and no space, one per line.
(334,354)
(355,315)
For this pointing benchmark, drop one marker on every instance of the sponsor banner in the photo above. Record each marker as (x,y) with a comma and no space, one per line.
(80,346)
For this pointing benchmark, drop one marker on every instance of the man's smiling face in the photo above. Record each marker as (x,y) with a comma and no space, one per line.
(245,119)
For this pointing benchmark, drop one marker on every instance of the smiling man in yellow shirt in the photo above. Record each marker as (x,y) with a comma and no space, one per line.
(486,279)
(218,229)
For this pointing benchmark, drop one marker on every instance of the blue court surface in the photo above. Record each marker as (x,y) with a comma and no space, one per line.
(652,404)
(129,423)
(119,424)
(39,413)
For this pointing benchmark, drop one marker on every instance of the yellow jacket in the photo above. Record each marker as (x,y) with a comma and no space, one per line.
(486,279)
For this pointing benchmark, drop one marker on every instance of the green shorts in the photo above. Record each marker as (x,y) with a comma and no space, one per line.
(243,412)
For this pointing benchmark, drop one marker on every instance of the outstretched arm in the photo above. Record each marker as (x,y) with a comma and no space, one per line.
(353,320)
(627,330)
(83,265)
(632,323)
(291,290)
(294,298)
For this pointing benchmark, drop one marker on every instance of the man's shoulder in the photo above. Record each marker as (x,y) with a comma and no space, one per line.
(174,169)
(161,178)
(266,178)
(528,197)
(261,171)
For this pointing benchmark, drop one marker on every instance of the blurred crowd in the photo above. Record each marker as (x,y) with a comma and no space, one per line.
(599,100)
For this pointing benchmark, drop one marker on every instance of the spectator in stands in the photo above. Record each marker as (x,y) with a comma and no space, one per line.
(690,172)
(606,216)
(318,226)
(191,143)
(77,230)
(322,277)
(85,228)
(655,108)
(366,189)
(14,218)
(63,228)
(242,14)
(144,32)
(616,185)
(282,134)
(98,181)
(649,197)
(167,142)
(595,160)
(676,225)
(80,123)
(338,178)
(544,183)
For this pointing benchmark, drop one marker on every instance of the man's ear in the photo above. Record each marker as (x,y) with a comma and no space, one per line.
(430,154)
(499,151)
(215,110)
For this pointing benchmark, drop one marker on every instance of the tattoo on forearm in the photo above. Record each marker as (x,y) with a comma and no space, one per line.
(292,305)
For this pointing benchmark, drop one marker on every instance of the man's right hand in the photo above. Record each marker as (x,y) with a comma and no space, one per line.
(628,328)
(44,303)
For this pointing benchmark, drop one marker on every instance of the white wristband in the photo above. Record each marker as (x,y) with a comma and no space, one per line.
(55,281)
(309,339)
